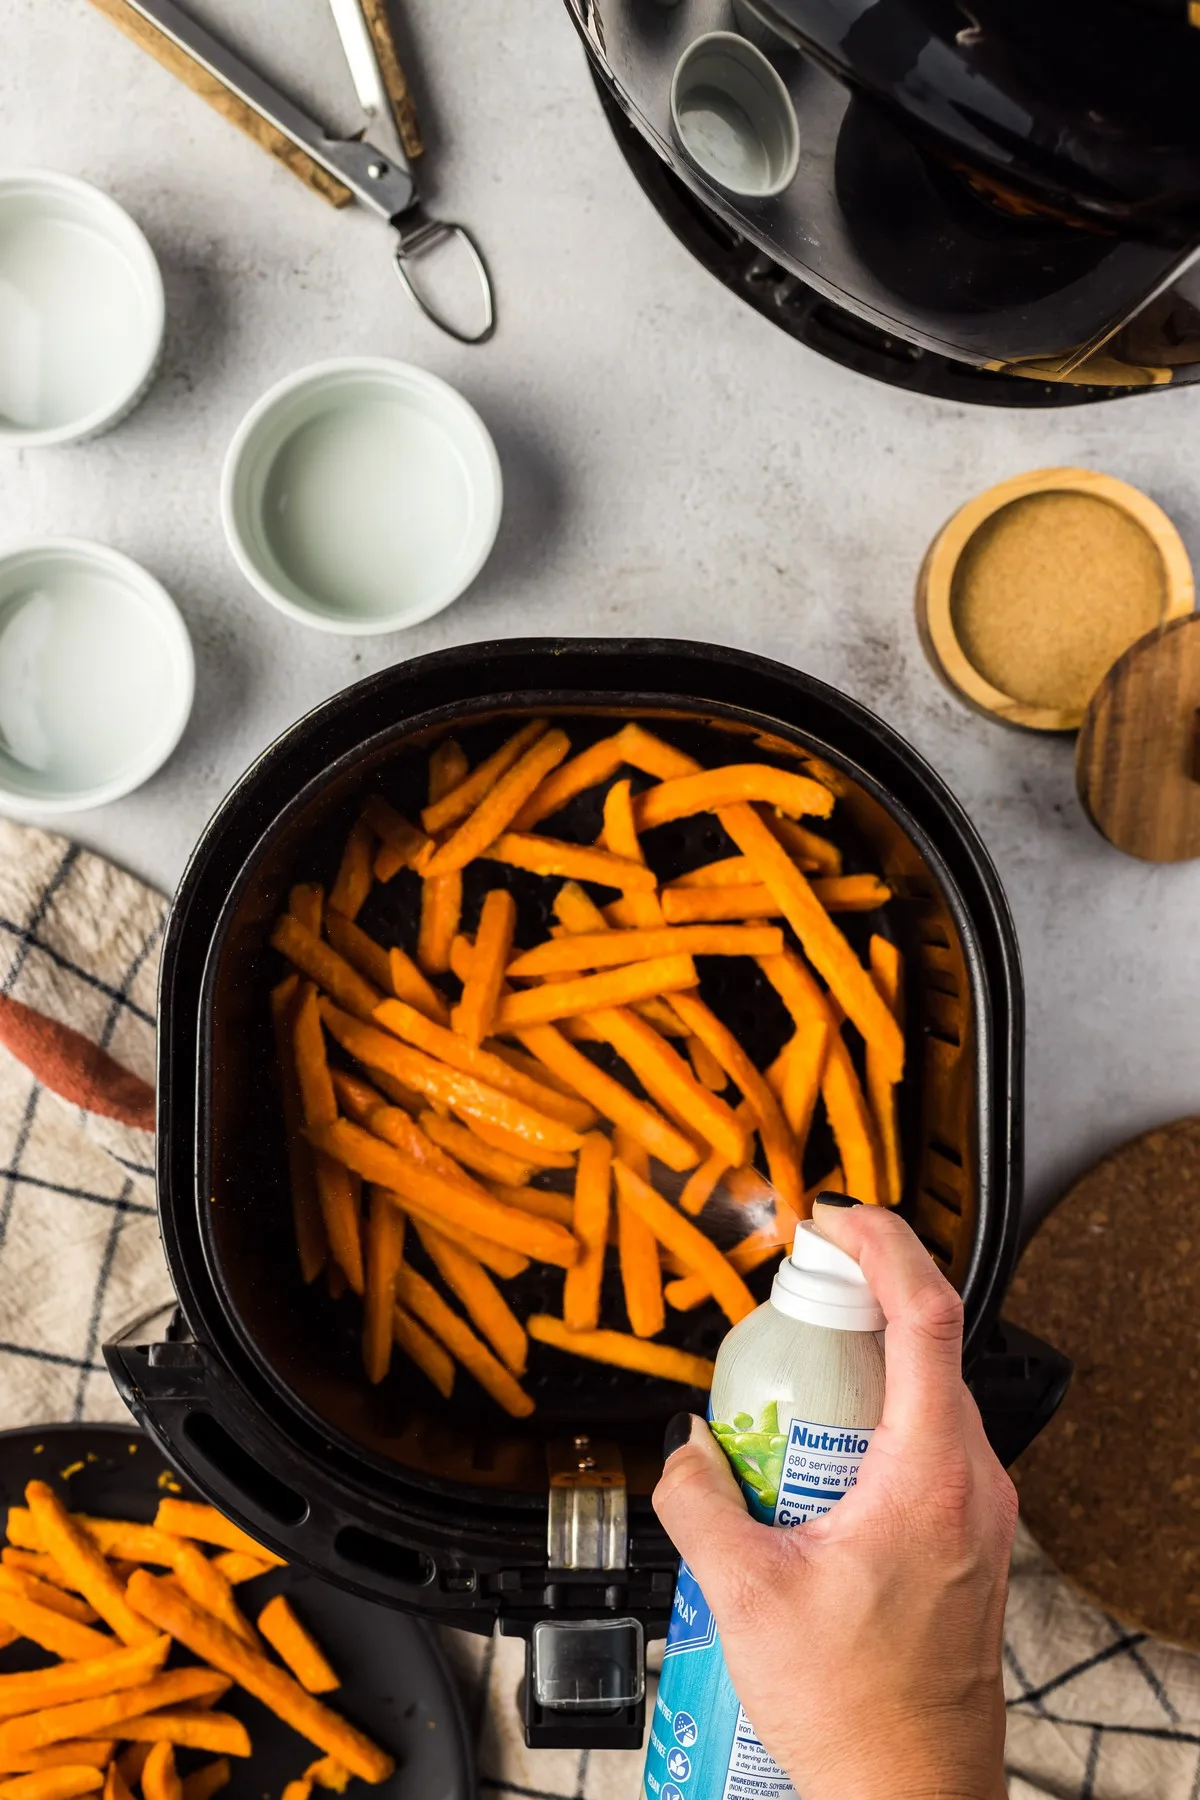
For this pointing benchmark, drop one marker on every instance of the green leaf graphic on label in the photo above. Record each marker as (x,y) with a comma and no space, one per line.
(755,1451)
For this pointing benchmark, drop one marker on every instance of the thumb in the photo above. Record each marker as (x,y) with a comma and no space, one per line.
(701,1508)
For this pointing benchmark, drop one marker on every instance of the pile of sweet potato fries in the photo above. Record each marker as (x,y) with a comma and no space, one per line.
(450,1109)
(109,1715)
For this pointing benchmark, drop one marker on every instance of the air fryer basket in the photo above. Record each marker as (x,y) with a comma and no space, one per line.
(258,1393)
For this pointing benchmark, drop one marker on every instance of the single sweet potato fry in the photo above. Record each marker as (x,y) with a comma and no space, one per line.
(160,1779)
(75,1753)
(486,1064)
(237,1567)
(849,1116)
(777,1139)
(306,1209)
(90,1680)
(172,1612)
(402,845)
(317,1103)
(34,1562)
(193,1519)
(805,846)
(623,1352)
(609,949)
(385,1251)
(107,1715)
(353,882)
(474,1152)
(297,1647)
(478,1294)
(496,811)
(698,1188)
(823,943)
(192,1728)
(735,782)
(457,1204)
(588,769)
(551,856)
(463,796)
(592,1207)
(678,1233)
(538,1201)
(419,1297)
(441,909)
(637,1249)
(473,1017)
(887,966)
(610,1098)
(668,1080)
(442,1083)
(46,1595)
(306,902)
(359,950)
(54,1784)
(76,1553)
(408,983)
(206,1781)
(586,993)
(425,1351)
(837,893)
(323,965)
(204,1583)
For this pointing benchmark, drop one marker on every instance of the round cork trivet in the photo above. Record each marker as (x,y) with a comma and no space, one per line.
(1137,761)
(1111,1488)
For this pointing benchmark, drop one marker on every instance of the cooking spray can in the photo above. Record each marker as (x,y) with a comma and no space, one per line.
(796,1396)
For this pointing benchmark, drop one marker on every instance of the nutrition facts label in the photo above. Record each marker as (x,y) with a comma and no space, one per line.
(753,1775)
(820,1464)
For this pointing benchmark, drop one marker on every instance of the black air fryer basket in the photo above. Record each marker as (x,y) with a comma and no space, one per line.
(255,1388)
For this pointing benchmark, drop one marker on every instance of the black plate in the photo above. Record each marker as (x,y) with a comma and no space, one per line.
(395,1682)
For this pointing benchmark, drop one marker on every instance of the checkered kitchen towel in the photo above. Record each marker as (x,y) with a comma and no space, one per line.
(1096,1711)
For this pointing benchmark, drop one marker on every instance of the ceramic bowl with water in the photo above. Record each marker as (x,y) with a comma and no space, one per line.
(81,310)
(361,495)
(733,116)
(96,677)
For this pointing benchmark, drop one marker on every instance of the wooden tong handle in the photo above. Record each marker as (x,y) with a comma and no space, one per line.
(267,136)
(404,111)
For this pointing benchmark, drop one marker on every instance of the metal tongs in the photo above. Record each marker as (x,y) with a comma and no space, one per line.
(373,166)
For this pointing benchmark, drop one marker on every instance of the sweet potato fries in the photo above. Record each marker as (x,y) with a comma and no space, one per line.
(62,1727)
(471,1101)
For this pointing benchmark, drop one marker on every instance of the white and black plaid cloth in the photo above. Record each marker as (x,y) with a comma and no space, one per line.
(1096,1711)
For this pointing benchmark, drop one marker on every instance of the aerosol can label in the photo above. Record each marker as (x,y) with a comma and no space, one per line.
(702,1745)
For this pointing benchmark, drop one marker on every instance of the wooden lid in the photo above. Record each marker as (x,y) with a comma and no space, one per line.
(1032,625)
(1111,1488)
(1137,762)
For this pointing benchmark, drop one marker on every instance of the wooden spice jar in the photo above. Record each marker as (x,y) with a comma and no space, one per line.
(1031,592)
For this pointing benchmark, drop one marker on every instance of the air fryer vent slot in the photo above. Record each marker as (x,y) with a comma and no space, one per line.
(383,1556)
(227,1457)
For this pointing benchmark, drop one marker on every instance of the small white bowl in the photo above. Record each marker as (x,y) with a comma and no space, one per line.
(733,117)
(81,310)
(361,495)
(96,677)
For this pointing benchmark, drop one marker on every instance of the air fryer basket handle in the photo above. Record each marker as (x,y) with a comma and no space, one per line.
(1018,1382)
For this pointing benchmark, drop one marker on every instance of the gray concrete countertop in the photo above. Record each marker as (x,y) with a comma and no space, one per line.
(673,465)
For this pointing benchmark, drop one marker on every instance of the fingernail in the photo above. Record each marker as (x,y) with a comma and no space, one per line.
(836,1200)
(679,1430)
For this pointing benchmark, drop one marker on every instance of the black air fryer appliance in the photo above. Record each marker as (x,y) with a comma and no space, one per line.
(996,202)
(254,1388)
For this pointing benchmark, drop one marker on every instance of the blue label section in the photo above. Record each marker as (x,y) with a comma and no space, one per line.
(692,1624)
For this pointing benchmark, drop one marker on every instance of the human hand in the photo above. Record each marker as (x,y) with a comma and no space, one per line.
(865,1645)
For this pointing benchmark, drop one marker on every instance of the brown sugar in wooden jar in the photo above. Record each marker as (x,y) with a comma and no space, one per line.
(1032,591)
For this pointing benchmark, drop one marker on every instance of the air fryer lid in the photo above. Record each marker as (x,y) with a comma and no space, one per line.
(263,1402)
